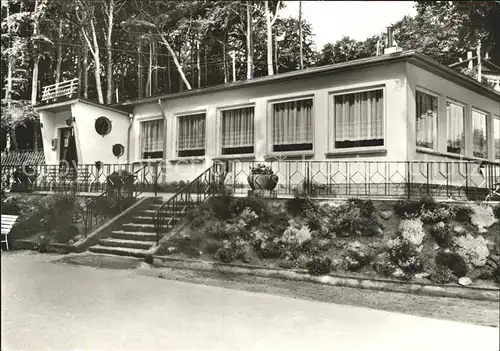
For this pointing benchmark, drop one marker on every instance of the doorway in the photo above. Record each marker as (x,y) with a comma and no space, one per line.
(67,154)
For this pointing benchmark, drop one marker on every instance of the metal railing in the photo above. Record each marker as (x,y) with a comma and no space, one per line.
(67,88)
(207,184)
(28,157)
(460,180)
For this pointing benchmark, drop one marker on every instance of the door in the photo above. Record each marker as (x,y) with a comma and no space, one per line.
(67,153)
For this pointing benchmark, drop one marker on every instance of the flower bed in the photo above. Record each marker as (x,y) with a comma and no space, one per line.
(410,240)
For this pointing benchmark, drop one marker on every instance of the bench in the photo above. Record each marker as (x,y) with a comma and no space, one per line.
(8,222)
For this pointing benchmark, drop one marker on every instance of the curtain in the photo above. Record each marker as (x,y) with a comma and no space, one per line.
(496,126)
(359,116)
(191,134)
(427,111)
(479,136)
(238,127)
(292,122)
(151,136)
(455,125)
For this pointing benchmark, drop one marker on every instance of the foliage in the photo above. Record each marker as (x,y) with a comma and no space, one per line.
(407,207)
(482,215)
(463,213)
(356,256)
(365,206)
(319,266)
(66,233)
(261,169)
(473,249)
(221,207)
(255,203)
(453,261)
(496,211)
(406,255)
(225,255)
(383,264)
(11,206)
(412,231)
(188,245)
(297,205)
(443,234)
(442,213)
(442,275)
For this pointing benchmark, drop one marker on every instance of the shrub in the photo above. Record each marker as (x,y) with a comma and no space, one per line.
(319,266)
(441,275)
(11,206)
(453,261)
(406,255)
(463,213)
(296,206)
(269,250)
(357,256)
(473,250)
(249,216)
(406,207)
(345,219)
(383,264)
(366,206)
(443,234)
(221,207)
(212,245)
(412,231)
(440,214)
(483,216)
(496,211)
(255,203)
(225,255)
(295,237)
(65,234)
(188,245)
(285,264)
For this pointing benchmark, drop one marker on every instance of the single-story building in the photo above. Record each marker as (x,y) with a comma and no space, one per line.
(371,115)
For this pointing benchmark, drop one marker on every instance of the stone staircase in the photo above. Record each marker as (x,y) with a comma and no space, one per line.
(136,236)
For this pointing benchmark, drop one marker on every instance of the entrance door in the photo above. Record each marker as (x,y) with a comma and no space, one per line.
(67,153)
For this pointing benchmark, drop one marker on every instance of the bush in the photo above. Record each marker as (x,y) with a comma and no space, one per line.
(221,207)
(440,214)
(496,211)
(383,264)
(255,203)
(412,231)
(366,206)
(225,255)
(406,207)
(443,234)
(357,256)
(10,206)
(319,266)
(473,250)
(441,275)
(463,213)
(65,234)
(453,261)
(269,250)
(406,255)
(285,264)
(187,245)
(211,246)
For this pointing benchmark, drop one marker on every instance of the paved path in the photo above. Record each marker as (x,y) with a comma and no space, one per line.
(55,306)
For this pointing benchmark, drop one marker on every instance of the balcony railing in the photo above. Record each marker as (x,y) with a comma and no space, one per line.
(67,88)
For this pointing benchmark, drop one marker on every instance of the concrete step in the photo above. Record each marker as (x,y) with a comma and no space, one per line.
(150,212)
(155,206)
(150,220)
(121,251)
(131,244)
(139,227)
(133,235)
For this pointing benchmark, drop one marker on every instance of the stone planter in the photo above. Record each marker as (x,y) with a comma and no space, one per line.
(263,181)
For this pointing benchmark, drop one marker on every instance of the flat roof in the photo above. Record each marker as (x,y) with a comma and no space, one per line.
(413,57)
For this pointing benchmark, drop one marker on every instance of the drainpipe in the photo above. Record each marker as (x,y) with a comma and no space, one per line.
(131,120)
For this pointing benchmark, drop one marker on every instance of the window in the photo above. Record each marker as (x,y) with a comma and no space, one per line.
(237,131)
(479,136)
(426,118)
(191,135)
(455,125)
(496,144)
(359,119)
(292,125)
(102,126)
(152,139)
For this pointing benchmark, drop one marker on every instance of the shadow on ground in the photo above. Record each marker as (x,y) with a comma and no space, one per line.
(101,261)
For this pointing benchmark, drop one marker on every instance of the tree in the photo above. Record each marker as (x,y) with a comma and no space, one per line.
(270,19)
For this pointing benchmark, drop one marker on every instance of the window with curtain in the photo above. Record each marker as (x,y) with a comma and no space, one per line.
(426,120)
(479,134)
(191,135)
(151,139)
(292,125)
(237,131)
(496,127)
(455,128)
(359,119)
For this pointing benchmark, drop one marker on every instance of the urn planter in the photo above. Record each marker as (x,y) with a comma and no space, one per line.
(263,181)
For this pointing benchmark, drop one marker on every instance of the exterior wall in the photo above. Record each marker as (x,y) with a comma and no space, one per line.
(389,76)
(93,147)
(52,121)
(445,89)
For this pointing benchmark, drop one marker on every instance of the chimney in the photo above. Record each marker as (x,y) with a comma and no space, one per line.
(391,44)
(390,39)
(469,57)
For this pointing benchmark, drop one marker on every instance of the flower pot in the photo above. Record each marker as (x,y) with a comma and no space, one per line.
(263,181)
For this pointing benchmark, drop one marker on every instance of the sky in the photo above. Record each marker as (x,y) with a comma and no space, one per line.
(359,20)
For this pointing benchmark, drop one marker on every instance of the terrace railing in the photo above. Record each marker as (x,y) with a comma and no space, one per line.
(67,88)
(460,180)
(207,184)
(28,157)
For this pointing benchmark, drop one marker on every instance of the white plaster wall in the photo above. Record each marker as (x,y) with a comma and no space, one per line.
(418,77)
(391,76)
(52,121)
(91,145)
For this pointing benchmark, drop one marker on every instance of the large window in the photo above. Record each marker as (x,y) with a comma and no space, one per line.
(426,120)
(455,128)
(151,138)
(496,143)
(479,134)
(191,135)
(237,131)
(292,125)
(359,119)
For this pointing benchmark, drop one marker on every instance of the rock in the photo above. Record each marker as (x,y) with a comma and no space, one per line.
(379,232)
(355,245)
(440,225)
(336,262)
(340,244)
(436,247)
(398,273)
(171,249)
(421,275)
(459,230)
(482,230)
(247,258)
(71,242)
(385,214)
(465,281)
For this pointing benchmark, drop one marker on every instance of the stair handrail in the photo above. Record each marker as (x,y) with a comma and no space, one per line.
(200,187)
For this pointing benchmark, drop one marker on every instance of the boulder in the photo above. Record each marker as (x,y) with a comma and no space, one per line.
(440,225)
(336,262)
(421,275)
(482,230)
(385,214)
(465,281)
(171,249)
(459,230)
(398,273)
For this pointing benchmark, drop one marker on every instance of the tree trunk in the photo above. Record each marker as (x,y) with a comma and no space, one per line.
(249,42)
(168,75)
(85,70)
(176,61)
(139,70)
(205,61)
(270,70)
(224,62)
(150,70)
(109,88)
(198,64)
(155,69)
(94,49)
(300,36)
(59,52)
(79,68)
(36,59)
(191,60)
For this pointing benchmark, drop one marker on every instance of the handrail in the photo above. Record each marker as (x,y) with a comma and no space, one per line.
(66,88)
(207,184)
